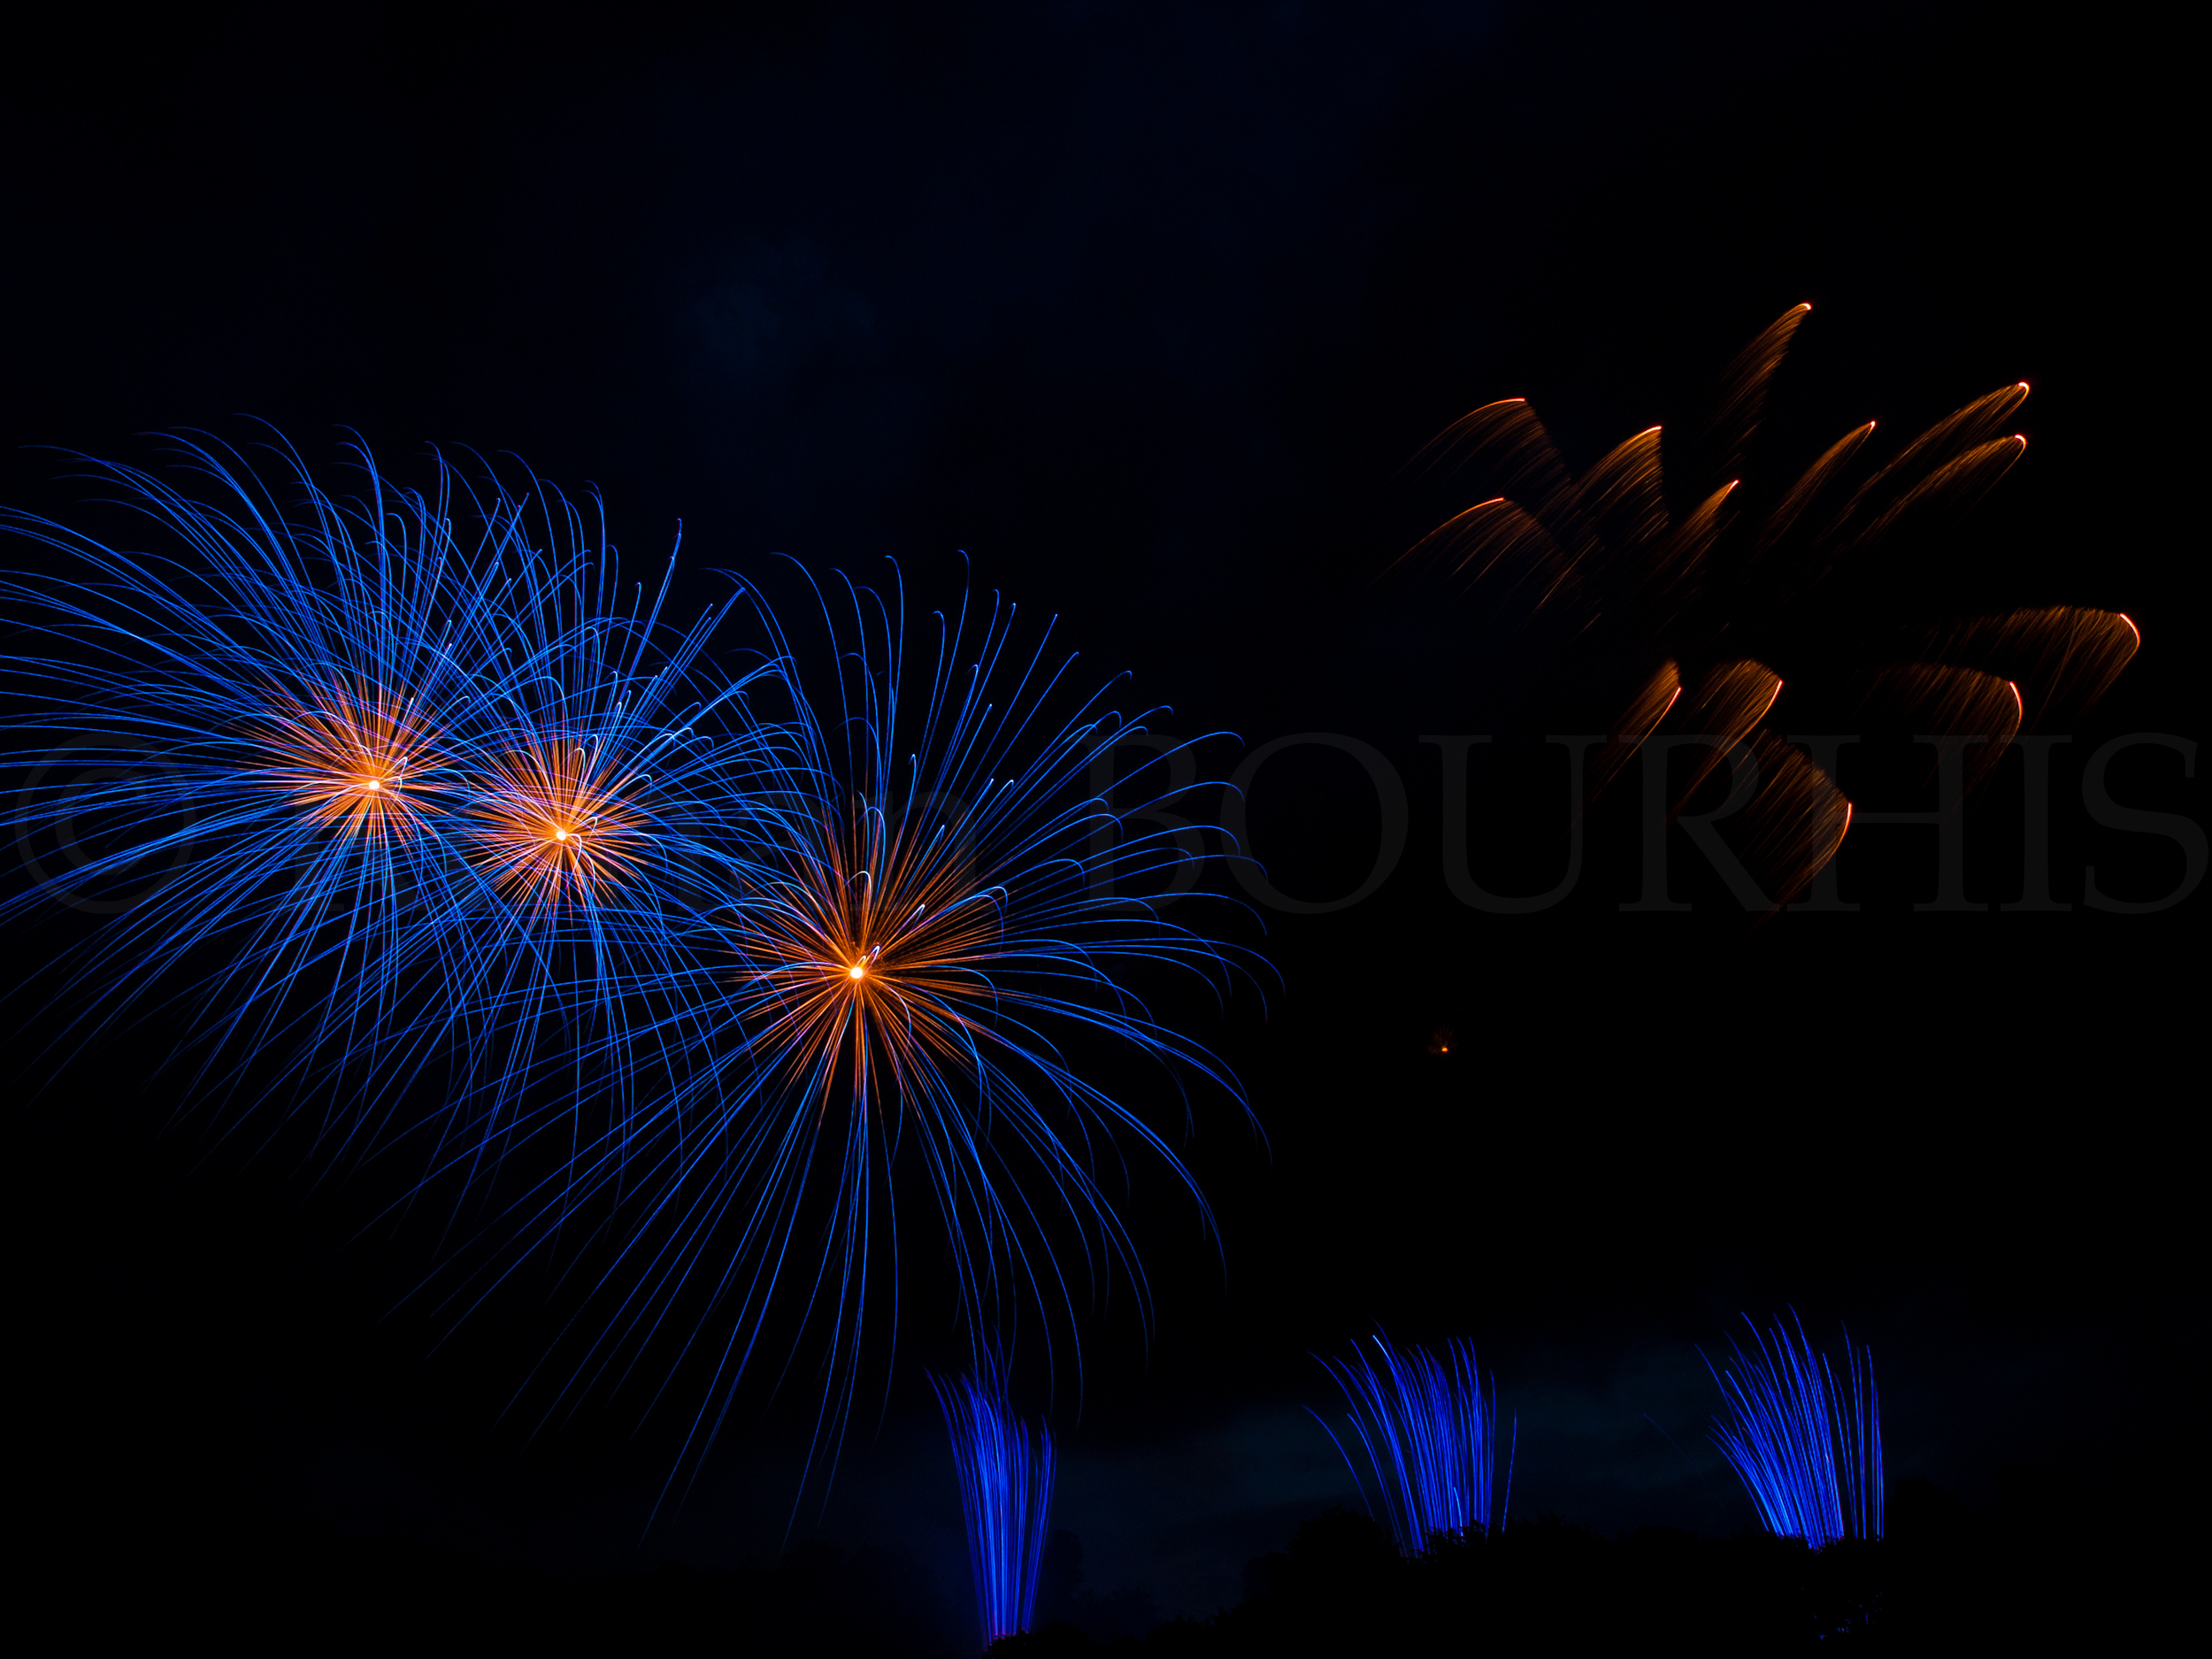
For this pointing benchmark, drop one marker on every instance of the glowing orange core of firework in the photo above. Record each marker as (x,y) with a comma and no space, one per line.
(553,822)
(355,758)
(870,965)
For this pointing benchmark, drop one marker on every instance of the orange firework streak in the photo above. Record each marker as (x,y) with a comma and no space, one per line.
(360,759)
(1608,546)
(868,953)
(554,824)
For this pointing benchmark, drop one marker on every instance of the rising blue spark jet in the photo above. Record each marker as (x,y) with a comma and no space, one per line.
(1808,1447)
(1427,1437)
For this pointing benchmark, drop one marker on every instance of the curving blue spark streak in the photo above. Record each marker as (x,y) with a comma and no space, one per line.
(1807,1447)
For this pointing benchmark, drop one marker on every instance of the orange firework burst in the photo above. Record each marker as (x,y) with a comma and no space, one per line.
(1685,575)
(360,758)
(872,954)
(555,822)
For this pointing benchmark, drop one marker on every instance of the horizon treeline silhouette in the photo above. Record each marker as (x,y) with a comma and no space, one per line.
(2056,1565)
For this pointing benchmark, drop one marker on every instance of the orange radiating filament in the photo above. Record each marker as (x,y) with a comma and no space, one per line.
(357,757)
(555,823)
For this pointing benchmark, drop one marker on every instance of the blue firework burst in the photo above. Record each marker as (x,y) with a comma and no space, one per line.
(407,773)
(933,920)
(457,830)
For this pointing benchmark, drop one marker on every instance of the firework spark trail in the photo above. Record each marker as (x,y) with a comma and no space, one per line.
(1682,595)
(1808,1450)
(930,920)
(1429,1438)
(1730,700)
(334,719)
(1005,1470)
(2064,656)
(1955,704)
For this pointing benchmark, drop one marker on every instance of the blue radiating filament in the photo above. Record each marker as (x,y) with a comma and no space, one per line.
(1428,1438)
(1808,1445)
(1005,1469)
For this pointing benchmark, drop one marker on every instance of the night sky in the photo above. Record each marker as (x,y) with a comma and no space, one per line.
(1144,311)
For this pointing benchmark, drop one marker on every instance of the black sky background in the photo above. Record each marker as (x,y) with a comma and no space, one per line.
(1145,309)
